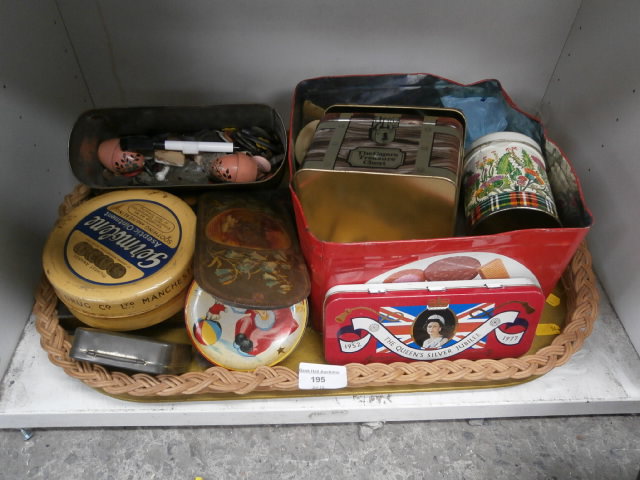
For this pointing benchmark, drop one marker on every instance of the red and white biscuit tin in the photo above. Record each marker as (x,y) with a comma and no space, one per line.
(545,252)
(420,321)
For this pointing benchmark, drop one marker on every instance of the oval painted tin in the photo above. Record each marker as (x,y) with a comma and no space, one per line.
(242,338)
(506,186)
(122,254)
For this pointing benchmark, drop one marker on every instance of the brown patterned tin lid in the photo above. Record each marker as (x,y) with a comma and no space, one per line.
(247,251)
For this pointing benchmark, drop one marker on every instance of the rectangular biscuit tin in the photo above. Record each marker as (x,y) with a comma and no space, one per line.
(422,321)
(382,173)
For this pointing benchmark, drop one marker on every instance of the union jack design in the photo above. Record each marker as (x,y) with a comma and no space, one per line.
(400,322)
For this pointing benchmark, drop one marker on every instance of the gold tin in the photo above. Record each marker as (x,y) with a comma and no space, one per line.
(374,173)
(122,255)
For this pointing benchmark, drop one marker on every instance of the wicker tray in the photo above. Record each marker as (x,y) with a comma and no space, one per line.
(582,308)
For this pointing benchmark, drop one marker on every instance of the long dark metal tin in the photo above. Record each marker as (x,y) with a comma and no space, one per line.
(95,126)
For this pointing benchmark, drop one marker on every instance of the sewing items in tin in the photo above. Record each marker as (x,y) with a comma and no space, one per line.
(178,146)
(241,155)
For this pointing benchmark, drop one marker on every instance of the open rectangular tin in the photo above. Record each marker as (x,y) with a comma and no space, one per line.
(374,173)
(96,126)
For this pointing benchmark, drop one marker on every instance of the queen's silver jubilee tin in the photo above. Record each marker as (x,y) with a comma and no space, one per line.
(506,186)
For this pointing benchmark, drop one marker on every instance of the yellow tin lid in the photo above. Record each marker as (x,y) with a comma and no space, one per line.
(135,322)
(122,253)
(241,338)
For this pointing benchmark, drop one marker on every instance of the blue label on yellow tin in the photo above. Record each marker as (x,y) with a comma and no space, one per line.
(123,242)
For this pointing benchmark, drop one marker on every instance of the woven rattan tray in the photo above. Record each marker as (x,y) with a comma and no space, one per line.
(582,306)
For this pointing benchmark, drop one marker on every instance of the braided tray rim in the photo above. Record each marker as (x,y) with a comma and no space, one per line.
(582,300)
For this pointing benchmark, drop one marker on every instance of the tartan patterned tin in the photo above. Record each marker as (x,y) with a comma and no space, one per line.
(506,185)
(507,200)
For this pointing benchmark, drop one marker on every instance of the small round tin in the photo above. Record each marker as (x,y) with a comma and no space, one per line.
(122,254)
(240,338)
(506,185)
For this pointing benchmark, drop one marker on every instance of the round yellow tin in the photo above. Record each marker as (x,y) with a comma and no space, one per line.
(135,322)
(122,254)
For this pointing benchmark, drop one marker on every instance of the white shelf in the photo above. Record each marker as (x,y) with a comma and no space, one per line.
(602,378)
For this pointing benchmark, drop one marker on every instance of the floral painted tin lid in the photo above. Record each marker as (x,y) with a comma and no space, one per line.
(122,254)
(247,251)
(240,338)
